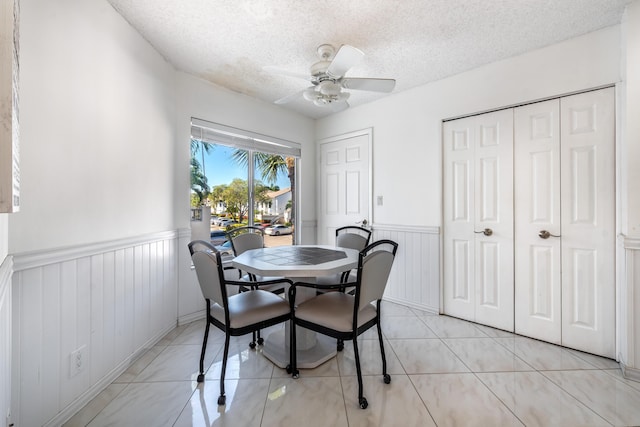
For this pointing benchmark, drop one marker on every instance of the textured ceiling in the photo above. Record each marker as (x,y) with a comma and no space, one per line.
(413,41)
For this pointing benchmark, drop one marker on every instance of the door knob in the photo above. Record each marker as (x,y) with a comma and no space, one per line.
(486,232)
(544,234)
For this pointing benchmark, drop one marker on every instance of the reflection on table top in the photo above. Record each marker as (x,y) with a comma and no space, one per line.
(297,261)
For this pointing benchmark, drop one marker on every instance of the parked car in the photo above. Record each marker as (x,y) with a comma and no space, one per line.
(277,230)
(218,237)
(213,219)
(227,221)
(218,220)
(225,248)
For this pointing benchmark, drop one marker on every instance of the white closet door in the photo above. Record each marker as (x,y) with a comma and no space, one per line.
(478,219)
(588,222)
(459,210)
(494,213)
(537,209)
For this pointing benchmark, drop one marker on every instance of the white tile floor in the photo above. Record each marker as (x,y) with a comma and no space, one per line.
(445,372)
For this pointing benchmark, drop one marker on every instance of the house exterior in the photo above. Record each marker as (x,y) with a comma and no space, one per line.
(101,109)
(277,206)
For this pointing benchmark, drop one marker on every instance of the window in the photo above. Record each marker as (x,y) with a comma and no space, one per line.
(246,178)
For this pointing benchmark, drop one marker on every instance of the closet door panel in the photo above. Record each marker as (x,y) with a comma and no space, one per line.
(538,283)
(588,217)
(478,196)
(459,207)
(494,212)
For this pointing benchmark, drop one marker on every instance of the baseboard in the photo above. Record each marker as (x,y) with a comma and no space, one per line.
(188,318)
(433,310)
(632,374)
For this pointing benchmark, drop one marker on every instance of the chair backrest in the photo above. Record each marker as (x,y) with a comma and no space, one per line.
(246,238)
(374,267)
(200,245)
(353,237)
(206,259)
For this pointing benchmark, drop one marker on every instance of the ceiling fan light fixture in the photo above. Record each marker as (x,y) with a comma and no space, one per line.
(329,88)
(310,94)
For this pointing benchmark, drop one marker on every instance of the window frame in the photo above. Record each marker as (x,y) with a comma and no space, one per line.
(252,142)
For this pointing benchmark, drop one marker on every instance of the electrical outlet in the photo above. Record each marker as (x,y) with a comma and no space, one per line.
(77,361)
(379,200)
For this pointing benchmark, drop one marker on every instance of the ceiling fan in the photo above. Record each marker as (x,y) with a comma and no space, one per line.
(327,77)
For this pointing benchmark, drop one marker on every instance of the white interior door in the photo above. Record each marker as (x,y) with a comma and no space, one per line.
(588,222)
(537,209)
(345,191)
(478,219)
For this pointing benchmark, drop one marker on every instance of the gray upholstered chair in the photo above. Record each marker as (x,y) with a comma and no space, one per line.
(344,316)
(352,237)
(230,273)
(235,315)
(244,239)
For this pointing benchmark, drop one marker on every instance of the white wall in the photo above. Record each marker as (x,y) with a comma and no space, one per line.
(407,126)
(97,119)
(631,126)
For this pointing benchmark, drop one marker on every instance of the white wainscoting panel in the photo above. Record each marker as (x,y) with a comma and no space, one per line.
(629,306)
(415,276)
(108,301)
(6,269)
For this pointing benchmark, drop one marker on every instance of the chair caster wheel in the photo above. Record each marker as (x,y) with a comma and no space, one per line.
(363,403)
(201,378)
(221,400)
(296,374)
(252,345)
(340,347)
(260,341)
(288,369)
(387,378)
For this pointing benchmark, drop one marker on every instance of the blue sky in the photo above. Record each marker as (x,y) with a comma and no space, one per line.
(221,169)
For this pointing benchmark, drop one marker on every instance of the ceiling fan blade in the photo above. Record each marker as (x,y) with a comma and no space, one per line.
(375,85)
(277,70)
(347,57)
(289,98)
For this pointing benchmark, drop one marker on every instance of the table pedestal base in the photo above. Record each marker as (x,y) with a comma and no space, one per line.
(276,349)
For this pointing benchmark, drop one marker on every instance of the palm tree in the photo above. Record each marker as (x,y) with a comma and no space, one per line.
(202,147)
(269,166)
(198,181)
